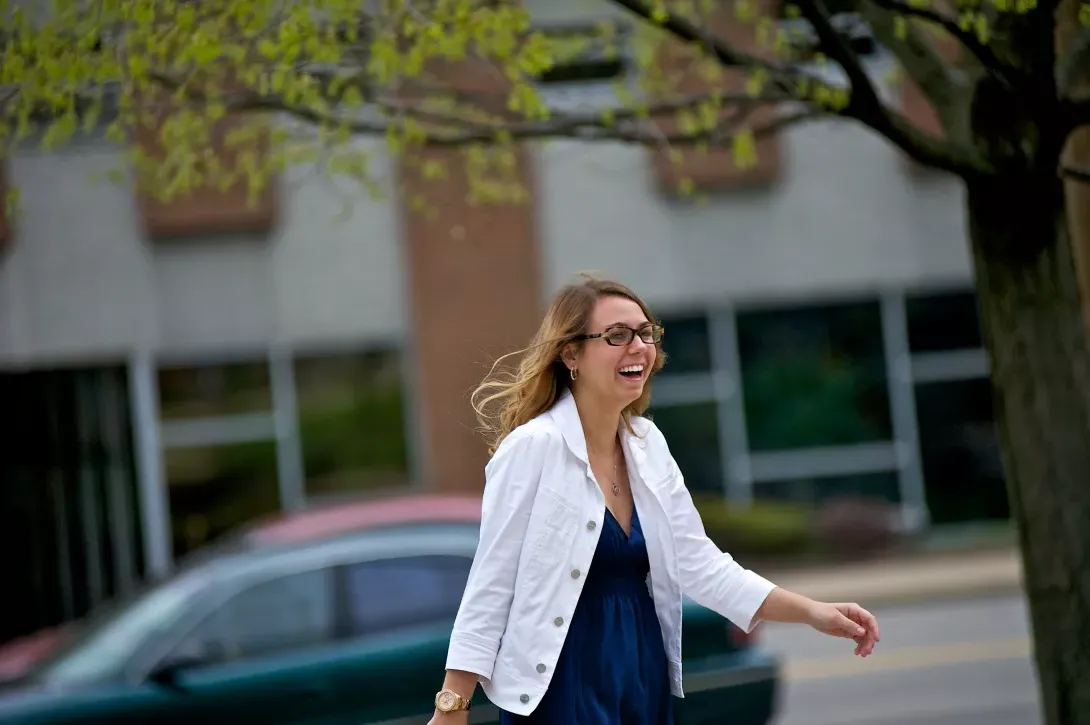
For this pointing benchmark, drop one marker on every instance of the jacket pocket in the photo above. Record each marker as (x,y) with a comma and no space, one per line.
(552,528)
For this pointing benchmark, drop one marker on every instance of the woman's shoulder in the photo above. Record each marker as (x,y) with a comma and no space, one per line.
(540,432)
(646,431)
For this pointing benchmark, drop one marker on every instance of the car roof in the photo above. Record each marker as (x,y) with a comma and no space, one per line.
(330,521)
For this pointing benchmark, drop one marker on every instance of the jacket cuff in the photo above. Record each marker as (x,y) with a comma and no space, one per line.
(470,653)
(751,594)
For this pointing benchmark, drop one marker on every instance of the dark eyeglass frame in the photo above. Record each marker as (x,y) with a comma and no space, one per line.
(650,328)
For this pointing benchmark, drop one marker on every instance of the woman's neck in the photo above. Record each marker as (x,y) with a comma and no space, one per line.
(600,423)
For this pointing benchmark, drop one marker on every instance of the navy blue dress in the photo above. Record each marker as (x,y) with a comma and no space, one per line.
(612,669)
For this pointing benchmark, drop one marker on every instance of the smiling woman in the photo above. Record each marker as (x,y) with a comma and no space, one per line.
(583,506)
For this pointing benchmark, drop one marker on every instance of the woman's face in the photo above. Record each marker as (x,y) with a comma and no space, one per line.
(614,373)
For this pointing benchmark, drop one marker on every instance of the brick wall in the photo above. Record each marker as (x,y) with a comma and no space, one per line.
(475,289)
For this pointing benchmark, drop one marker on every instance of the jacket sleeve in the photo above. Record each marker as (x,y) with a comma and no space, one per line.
(511,482)
(710,577)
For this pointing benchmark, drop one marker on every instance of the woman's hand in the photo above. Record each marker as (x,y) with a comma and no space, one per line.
(850,621)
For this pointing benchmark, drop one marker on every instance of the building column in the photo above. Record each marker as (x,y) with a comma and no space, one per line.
(902,403)
(474,288)
(151,476)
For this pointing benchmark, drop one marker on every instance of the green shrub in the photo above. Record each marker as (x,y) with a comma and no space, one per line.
(763,529)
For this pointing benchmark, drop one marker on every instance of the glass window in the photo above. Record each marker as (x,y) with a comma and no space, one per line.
(288,613)
(692,432)
(214,489)
(962,466)
(687,345)
(214,390)
(947,321)
(388,594)
(352,422)
(814,376)
(882,486)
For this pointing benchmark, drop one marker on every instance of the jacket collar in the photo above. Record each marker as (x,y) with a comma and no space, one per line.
(566,415)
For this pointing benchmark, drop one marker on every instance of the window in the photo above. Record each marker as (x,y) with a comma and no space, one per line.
(962,467)
(214,390)
(687,346)
(947,321)
(881,486)
(280,615)
(814,376)
(692,432)
(390,594)
(352,422)
(214,489)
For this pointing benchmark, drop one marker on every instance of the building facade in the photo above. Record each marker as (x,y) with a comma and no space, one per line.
(179,370)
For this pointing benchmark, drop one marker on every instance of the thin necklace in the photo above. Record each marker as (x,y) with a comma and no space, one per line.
(613,484)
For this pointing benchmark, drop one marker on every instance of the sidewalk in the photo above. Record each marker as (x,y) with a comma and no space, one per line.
(910,580)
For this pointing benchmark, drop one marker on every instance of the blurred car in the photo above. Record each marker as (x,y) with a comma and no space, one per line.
(335,616)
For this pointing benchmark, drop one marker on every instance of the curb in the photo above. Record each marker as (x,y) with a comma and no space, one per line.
(885,583)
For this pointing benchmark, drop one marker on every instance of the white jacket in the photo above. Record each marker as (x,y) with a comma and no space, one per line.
(542,515)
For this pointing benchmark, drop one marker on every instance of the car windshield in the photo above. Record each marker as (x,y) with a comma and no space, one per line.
(105,641)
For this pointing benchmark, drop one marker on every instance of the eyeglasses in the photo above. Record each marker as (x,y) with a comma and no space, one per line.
(621,335)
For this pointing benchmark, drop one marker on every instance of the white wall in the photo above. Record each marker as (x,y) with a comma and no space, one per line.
(81,282)
(846,217)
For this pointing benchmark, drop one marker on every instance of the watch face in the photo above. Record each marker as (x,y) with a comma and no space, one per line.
(446,700)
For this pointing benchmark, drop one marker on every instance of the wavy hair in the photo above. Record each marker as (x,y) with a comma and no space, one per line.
(507,398)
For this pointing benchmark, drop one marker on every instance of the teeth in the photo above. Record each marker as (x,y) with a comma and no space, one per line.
(632,369)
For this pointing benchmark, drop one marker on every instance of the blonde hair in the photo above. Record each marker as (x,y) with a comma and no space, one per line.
(506,399)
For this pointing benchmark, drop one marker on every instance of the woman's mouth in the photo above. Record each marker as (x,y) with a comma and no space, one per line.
(632,372)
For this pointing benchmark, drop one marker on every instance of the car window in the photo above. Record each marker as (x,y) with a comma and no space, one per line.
(278,615)
(390,594)
(107,643)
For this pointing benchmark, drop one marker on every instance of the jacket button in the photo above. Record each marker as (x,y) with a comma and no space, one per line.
(540,669)
(524,699)
(591,525)
(558,621)
(574,573)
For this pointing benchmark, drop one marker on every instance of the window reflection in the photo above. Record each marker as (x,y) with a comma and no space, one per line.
(814,376)
(352,422)
(687,346)
(813,491)
(216,488)
(947,321)
(692,432)
(204,391)
(962,467)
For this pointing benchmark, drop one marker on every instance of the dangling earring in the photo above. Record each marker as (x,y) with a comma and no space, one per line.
(574,374)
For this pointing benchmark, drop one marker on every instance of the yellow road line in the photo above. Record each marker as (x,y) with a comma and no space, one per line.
(908,658)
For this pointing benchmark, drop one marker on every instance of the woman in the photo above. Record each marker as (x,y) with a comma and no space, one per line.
(589,538)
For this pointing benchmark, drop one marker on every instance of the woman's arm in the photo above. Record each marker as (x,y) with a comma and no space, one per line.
(511,481)
(849,621)
(712,578)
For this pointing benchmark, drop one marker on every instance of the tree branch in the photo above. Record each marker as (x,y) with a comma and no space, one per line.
(726,53)
(864,100)
(946,91)
(867,109)
(982,51)
(1075,173)
(631,125)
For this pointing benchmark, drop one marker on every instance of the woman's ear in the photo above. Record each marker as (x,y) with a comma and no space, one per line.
(568,356)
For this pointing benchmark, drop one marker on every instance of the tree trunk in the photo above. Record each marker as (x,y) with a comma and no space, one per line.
(1037,342)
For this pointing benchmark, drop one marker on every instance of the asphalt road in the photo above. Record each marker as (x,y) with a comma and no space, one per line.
(950,663)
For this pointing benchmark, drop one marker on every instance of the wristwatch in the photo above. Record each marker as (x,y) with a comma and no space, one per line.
(448,701)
